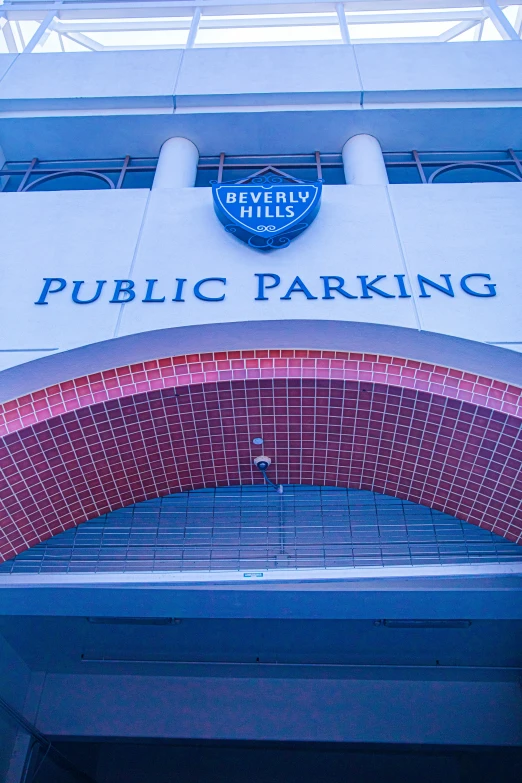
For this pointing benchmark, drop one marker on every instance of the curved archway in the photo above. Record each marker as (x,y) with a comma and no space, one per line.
(431,434)
(428,348)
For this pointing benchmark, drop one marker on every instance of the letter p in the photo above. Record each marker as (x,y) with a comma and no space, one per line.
(262,286)
(47,289)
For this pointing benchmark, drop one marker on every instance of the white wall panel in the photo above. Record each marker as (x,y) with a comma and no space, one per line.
(102,235)
(76,235)
(459,229)
(182,238)
(436,72)
(225,76)
(108,104)
(92,75)
(6,60)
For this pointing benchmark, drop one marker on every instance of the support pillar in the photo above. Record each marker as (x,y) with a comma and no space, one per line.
(177,164)
(363,161)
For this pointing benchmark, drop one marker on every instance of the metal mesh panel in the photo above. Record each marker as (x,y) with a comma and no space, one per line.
(237,528)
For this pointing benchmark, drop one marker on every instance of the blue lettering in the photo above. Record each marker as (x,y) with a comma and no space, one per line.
(76,291)
(48,281)
(423,282)
(490,286)
(199,295)
(123,289)
(298,287)
(178,297)
(367,287)
(261,286)
(150,291)
(328,287)
(402,287)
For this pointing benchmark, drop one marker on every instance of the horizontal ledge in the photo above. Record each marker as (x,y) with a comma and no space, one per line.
(248,577)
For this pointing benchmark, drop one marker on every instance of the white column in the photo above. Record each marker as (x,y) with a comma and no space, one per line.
(177,164)
(363,161)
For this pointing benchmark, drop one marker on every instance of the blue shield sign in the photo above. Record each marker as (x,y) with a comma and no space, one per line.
(267,215)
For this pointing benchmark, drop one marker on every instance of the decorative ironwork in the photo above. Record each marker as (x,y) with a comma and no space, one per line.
(69,173)
(429,166)
(473,165)
(272,243)
(115,174)
(269,175)
(327,167)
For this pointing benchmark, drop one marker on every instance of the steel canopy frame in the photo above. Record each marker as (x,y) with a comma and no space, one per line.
(77,21)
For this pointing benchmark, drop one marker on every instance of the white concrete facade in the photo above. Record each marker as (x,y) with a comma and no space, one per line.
(172,234)
(404,96)
(130,102)
(80,268)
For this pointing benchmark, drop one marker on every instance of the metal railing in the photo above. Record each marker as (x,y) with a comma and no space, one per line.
(412,167)
(115,173)
(430,167)
(65,25)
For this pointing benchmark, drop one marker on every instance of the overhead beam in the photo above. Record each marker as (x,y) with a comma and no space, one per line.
(194,26)
(9,38)
(518,20)
(501,22)
(148,10)
(126,25)
(343,25)
(458,29)
(42,32)
(83,40)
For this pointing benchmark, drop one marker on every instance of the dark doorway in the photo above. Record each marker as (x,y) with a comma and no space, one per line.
(245,762)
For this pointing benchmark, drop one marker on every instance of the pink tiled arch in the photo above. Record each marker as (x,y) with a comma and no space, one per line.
(434,435)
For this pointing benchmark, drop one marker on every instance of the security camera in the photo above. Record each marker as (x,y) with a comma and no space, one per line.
(263,463)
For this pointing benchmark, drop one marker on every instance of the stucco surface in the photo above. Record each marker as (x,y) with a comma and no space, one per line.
(166,235)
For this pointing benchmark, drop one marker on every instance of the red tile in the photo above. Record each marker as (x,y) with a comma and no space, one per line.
(139,438)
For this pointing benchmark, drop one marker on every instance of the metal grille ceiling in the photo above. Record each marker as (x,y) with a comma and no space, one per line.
(252,527)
